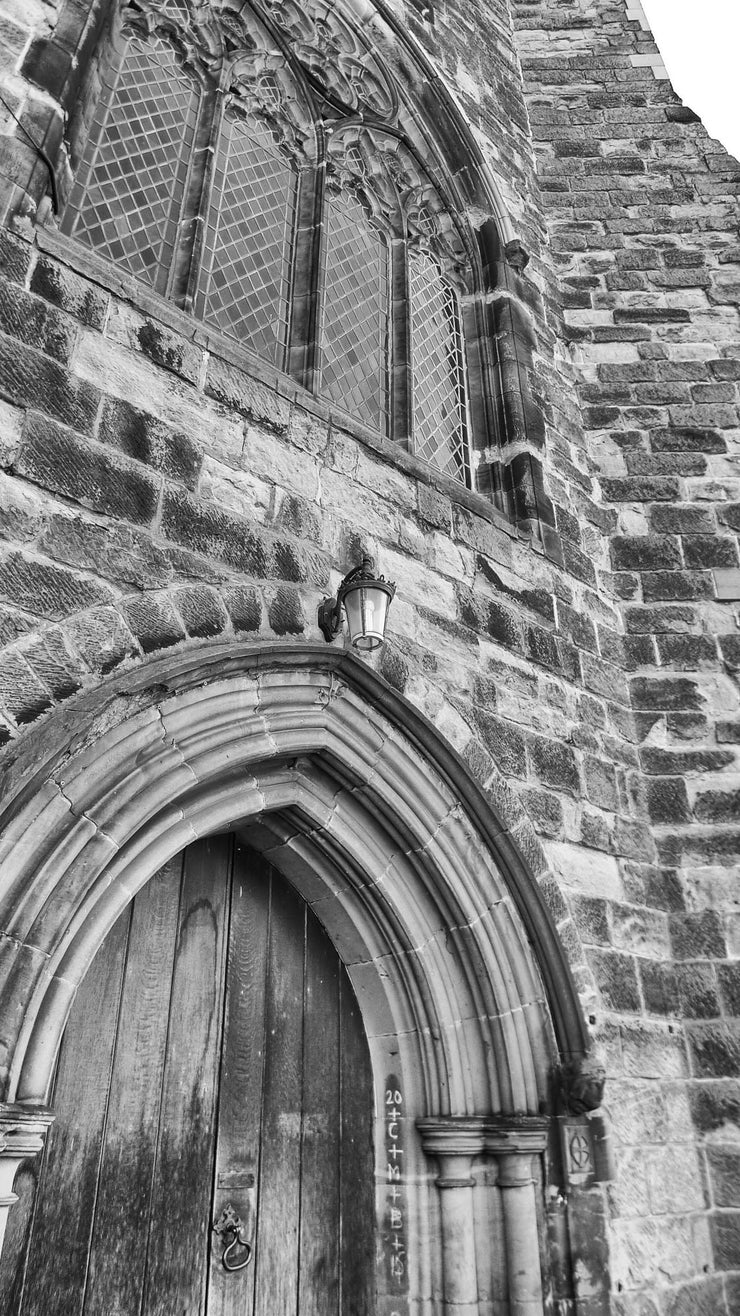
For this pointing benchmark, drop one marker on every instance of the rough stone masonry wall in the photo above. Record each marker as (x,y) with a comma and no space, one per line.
(642,211)
(159,490)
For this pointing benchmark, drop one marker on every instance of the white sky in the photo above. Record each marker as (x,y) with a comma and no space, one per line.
(700,45)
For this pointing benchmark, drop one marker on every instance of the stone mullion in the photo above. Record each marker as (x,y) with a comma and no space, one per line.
(400,427)
(188,261)
(303,354)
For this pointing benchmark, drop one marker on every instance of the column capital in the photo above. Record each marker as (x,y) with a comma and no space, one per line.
(493,1135)
(23,1130)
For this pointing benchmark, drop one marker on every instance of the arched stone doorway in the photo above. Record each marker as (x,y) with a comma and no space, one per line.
(463,988)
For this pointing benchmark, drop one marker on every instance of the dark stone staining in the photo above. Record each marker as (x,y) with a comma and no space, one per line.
(616,979)
(697,936)
(66,464)
(214,533)
(504,742)
(245,608)
(69,292)
(728,976)
(22,694)
(149,440)
(665,694)
(545,810)
(554,764)
(717,806)
(287,562)
(29,320)
(45,589)
(51,660)
(393,667)
(202,612)
(285,613)
(120,553)
(724,1174)
(667,800)
(15,257)
(33,380)
(154,623)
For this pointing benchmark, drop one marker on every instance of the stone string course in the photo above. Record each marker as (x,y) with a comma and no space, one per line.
(157,491)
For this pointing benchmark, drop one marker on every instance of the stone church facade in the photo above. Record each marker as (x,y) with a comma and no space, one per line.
(408,982)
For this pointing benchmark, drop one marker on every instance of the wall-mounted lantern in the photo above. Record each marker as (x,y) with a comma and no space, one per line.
(365,598)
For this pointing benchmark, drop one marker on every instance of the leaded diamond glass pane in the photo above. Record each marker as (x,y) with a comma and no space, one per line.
(246,277)
(356,314)
(129,192)
(438,371)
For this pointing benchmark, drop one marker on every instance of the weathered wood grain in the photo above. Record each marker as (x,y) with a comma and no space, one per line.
(280,1170)
(119,1239)
(182,1183)
(320,1145)
(240,1101)
(62,1225)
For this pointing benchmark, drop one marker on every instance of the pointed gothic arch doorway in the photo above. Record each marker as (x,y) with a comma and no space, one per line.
(214,1062)
(362,806)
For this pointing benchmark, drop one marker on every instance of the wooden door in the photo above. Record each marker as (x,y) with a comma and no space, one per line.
(214,1057)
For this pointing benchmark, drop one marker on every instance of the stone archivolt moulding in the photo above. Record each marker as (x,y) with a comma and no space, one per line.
(355,798)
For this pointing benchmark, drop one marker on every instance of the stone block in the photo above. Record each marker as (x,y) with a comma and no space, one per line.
(148,440)
(68,465)
(554,764)
(645,552)
(714,1049)
(50,658)
(22,695)
(616,978)
(102,639)
(33,380)
(44,589)
(68,291)
(201,610)
(723,1163)
(669,585)
(665,693)
(728,976)
(204,529)
(153,622)
(727,582)
(717,806)
(667,800)
(244,607)
(687,652)
(697,936)
(285,612)
(724,1228)
(28,320)
(253,399)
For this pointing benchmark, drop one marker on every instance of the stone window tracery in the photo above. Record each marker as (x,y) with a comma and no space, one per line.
(252,166)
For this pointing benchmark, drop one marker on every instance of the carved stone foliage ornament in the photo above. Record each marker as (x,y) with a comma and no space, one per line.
(385,176)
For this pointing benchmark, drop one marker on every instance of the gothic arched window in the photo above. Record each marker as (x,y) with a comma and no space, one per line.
(240,182)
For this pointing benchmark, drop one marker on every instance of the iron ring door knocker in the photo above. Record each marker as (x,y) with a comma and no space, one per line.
(230,1223)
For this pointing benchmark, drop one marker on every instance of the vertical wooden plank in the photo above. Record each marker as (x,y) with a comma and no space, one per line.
(62,1223)
(276,1256)
(357,1188)
(319,1242)
(118,1251)
(180,1210)
(240,1102)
